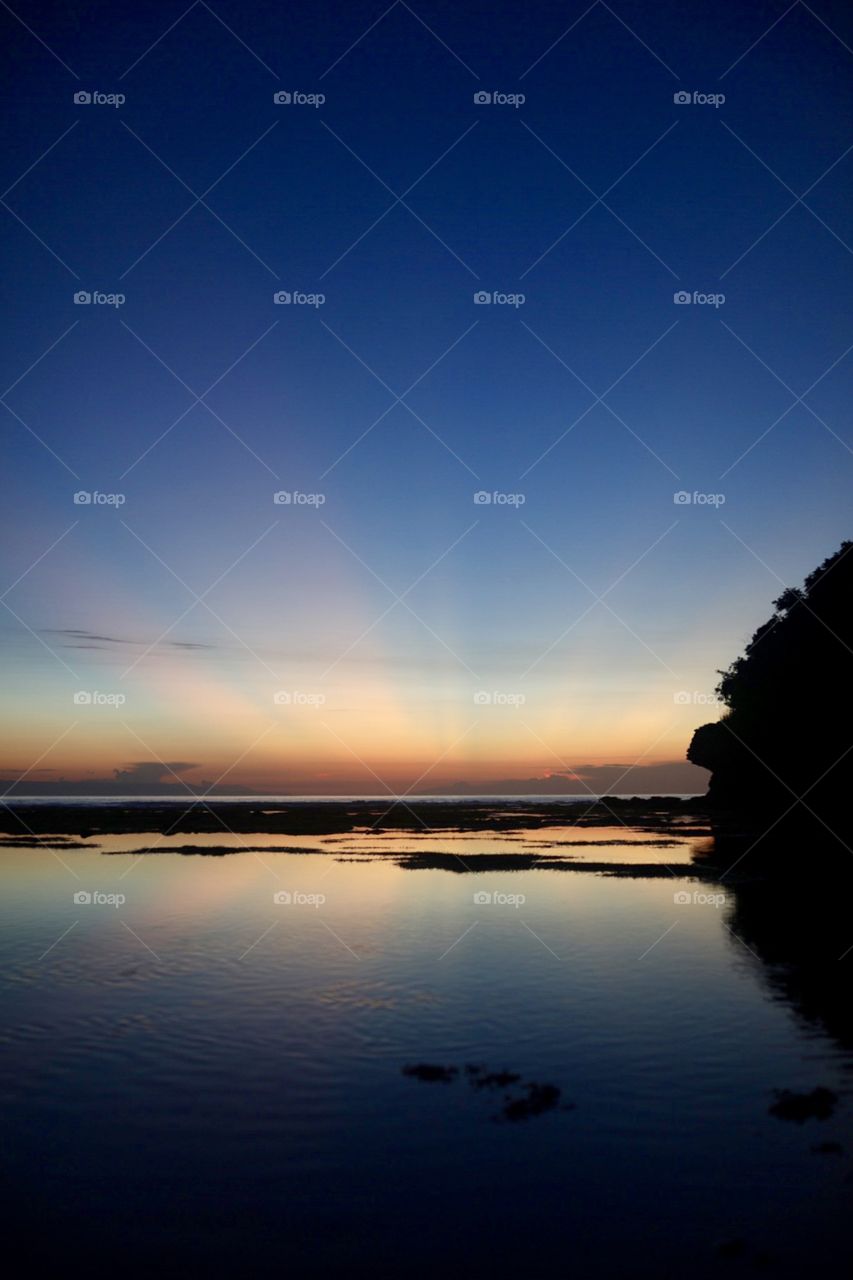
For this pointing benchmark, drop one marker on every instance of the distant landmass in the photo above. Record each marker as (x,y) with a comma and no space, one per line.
(107,787)
(668,778)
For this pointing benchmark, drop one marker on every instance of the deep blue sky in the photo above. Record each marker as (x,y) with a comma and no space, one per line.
(694,183)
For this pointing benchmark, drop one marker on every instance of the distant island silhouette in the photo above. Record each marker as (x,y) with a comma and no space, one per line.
(784,747)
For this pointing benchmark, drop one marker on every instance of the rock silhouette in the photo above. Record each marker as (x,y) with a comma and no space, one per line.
(784,747)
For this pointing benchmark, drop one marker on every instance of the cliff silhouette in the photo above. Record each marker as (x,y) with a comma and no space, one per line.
(784,746)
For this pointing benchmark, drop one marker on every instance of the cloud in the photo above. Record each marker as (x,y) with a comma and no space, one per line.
(151,771)
(75,638)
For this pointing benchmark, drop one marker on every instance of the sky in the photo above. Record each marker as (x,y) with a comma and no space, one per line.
(515,538)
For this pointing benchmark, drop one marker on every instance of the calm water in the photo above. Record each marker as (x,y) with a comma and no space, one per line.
(207,1077)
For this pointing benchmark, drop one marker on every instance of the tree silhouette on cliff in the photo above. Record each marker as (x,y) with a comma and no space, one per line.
(785,742)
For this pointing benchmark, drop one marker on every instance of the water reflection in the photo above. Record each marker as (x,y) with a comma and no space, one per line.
(204,1053)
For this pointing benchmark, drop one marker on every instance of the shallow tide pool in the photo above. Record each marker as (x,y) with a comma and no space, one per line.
(204,1063)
